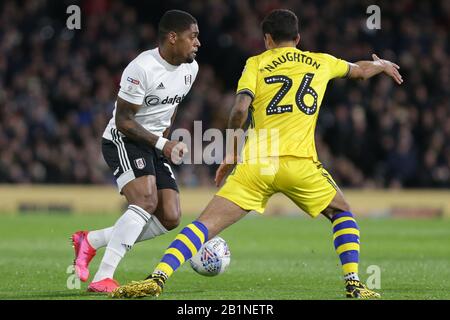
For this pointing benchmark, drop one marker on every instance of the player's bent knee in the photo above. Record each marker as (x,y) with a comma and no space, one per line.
(171,219)
(147,201)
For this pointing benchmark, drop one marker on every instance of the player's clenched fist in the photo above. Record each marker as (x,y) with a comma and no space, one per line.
(175,150)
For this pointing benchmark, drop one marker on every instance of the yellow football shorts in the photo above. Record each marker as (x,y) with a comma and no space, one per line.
(303,180)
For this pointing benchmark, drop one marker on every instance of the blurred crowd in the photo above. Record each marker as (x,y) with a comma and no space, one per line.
(58,86)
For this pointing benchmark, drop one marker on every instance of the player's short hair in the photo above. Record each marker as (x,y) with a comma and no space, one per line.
(281,24)
(176,21)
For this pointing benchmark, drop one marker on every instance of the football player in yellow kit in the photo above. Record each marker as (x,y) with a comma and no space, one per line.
(281,91)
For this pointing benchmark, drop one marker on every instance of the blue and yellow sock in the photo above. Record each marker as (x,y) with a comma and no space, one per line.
(346,243)
(186,244)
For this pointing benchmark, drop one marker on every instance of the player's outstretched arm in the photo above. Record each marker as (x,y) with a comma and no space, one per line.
(368,69)
(238,116)
(126,123)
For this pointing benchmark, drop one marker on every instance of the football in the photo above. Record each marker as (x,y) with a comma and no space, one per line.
(213,257)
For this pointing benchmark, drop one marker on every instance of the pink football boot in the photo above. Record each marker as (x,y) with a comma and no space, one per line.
(83,254)
(106,285)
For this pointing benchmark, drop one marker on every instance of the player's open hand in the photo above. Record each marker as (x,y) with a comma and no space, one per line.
(175,151)
(390,68)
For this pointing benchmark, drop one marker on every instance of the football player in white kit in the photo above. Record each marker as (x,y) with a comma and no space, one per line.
(136,148)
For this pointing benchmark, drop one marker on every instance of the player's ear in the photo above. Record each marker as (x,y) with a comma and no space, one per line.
(172,37)
(297,39)
(268,41)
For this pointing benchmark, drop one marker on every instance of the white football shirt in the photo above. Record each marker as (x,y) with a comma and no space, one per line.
(157,86)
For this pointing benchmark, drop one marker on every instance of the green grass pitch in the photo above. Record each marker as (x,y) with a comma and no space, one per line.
(271,258)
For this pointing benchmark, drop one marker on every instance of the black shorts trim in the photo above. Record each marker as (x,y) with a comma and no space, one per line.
(122,152)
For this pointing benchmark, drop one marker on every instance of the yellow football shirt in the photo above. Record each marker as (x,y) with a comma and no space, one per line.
(287,86)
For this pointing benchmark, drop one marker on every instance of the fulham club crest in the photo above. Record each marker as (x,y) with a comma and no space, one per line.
(188,79)
(139,163)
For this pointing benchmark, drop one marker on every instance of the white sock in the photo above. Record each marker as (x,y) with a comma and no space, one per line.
(99,238)
(351,276)
(124,235)
(152,229)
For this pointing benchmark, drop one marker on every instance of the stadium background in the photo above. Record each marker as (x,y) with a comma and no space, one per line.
(387,146)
